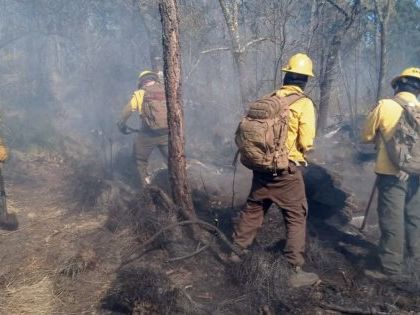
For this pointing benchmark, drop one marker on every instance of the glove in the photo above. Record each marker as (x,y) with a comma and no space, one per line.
(123,127)
(402,176)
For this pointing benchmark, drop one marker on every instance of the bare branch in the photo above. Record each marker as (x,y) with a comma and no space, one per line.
(198,251)
(204,52)
(131,257)
(340,9)
(254,42)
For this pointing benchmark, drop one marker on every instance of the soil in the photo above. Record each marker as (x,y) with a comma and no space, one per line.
(66,257)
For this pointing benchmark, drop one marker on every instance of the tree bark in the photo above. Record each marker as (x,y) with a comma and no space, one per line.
(172,73)
(230,13)
(148,12)
(383,21)
(327,77)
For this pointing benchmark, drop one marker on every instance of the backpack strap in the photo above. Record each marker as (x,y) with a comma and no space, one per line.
(401,102)
(291,98)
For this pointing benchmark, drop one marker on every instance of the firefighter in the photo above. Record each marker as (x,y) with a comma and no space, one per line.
(287,189)
(149,102)
(3,152)
(3,209)
(398,191)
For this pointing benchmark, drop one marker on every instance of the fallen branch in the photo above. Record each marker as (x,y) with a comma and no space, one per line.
(202,223)
(198,251)
(346,310)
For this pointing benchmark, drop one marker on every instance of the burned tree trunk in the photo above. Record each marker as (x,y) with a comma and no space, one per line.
(172,72)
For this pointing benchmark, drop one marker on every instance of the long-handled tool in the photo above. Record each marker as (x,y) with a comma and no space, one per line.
(369,204)
(8,221)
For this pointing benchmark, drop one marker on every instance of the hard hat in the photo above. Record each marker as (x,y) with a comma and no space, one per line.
(146,72)
(299,63)
(147,75)
(409,72)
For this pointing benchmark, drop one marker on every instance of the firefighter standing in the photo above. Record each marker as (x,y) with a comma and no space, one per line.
(3,209)
(287,189)
(150,102)
(398,191)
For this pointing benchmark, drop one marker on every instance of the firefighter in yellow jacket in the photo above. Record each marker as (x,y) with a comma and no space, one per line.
(149,102)
(3,158)
(3,152)
(286,190)
(398,192)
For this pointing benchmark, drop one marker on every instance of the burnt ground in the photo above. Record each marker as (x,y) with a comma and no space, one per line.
(77,225)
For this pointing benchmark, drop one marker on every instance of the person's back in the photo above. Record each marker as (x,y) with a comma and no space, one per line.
(398,191)
(285,187)
(149,102)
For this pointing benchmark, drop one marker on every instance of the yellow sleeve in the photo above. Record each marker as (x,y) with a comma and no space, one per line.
(134,105)
(3,152)
(372,124)
(137,101)
(307,126)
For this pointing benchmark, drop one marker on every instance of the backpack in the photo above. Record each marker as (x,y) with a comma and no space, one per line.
(261,135)
(404,146)
(154,111)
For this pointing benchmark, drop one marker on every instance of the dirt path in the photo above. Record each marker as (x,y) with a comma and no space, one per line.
(40,260)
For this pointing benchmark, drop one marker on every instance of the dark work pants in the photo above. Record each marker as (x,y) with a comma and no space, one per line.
(287,191)
(399,221)
(144,145)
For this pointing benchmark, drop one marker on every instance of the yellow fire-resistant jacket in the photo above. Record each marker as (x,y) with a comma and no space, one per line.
(384,118)
(302,124)
(3,151)
(134,105)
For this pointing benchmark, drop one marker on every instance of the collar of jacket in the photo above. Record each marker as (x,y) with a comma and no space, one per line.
(408,97)
(289,89)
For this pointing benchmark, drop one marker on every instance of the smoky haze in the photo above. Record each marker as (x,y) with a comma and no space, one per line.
(68,67)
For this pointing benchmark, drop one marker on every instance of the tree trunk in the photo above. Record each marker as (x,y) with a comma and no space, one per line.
(172,73)
(383,18)
(327,77)
(326,83)
(230,14)
(148,13)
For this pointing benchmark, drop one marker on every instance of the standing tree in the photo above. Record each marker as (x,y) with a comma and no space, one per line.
(172,72)
(335,31)
(230,9)
(149,14)
(383,10)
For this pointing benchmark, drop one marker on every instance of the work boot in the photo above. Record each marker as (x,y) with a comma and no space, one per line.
(375,274)
(300,278)
(235,258)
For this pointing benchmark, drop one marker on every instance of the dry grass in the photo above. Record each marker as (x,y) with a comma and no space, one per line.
(32,297)
(85,259)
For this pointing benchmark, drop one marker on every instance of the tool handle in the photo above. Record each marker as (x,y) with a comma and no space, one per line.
(367,211)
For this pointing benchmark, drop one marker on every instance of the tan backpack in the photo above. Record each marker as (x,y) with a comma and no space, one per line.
(261,135)
(404,146)
(154,111)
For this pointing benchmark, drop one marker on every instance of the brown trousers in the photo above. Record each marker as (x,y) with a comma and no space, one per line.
(287,191)
(144,145)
